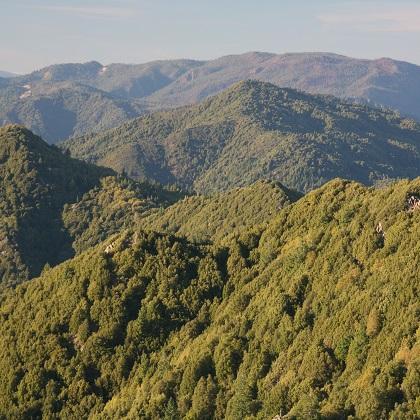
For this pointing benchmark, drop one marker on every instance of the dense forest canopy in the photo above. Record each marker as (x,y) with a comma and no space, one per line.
(314,314)
(52,205)
(35,181)
(202,219)
(187,277)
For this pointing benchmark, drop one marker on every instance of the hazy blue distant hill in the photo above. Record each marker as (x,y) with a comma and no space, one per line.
(384,81)
(7,74)
(257,130)
(122,80)
(388,82)
(60,110)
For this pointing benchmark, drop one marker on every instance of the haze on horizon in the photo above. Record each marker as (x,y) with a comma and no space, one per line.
(54,31)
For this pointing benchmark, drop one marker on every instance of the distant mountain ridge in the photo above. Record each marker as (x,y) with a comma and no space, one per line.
(257,130)
(171,83)
(7,74)
(63,109)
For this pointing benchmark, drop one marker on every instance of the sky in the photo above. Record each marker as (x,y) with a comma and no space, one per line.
(37,33)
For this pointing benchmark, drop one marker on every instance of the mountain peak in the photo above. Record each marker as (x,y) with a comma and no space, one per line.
(36,179)
(67,71)
(18,134)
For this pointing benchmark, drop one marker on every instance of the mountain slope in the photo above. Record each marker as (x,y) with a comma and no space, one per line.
(315,315)
(384,81)
(203,219)
(115,204)
(388,82)
(128,81)
(63,109)
(256,130)
(52,205)
(7,74)
(35,182)
(127,90)
(67,100)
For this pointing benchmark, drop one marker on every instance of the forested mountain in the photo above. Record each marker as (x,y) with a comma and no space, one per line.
(256,130)
(60,110)
(211,219)
(117,203)
(250,301)
(126,90)
(52,205)
(314,315)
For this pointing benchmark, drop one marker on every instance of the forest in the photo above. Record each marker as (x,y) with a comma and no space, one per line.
(256,130)
(209,210)
(310,313)
(168,288)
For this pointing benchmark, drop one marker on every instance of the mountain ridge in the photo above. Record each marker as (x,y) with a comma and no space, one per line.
(257,130)
(53,206)
(7,74)
(313,315)
(172,83)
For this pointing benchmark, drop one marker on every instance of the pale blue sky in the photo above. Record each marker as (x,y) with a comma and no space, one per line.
(35,33)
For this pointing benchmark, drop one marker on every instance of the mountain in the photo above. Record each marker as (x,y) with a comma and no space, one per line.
(7,74)
(117,203)
(128,81)
(63,109)
(67,100)
(35,181)
(314,315)
(127,90)
(210,219)
(256,130)
(386,82)
(52,205)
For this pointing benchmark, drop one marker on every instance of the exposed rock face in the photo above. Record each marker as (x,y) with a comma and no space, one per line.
(413,203)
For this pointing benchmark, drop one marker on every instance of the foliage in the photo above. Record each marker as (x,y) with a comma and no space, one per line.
(310,315)
(52,205)
(115,204)
(202,219)
(35,182)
